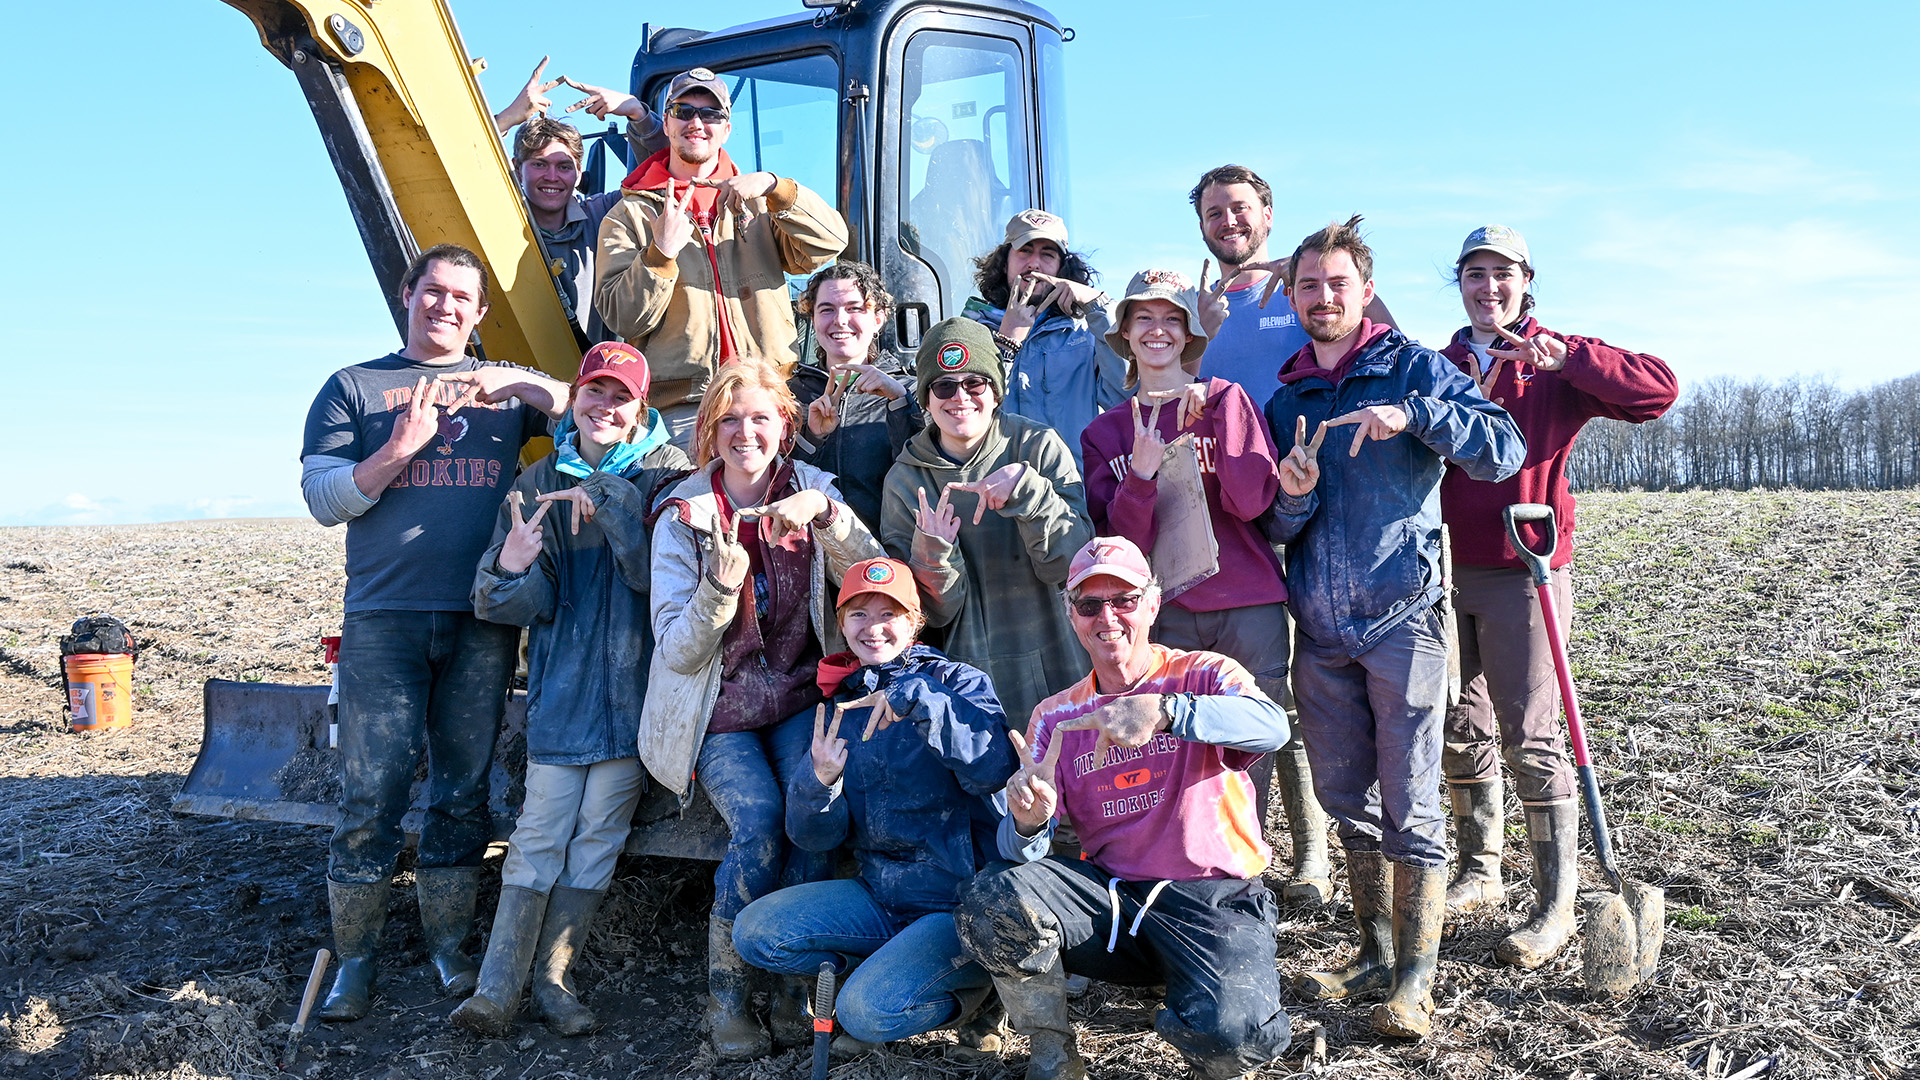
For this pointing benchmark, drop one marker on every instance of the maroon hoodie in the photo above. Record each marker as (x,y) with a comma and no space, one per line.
(1550,407)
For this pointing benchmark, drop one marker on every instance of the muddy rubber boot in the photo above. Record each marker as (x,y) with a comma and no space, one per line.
(1419,912)
(503,974)
(1037,1007)
(570,914)
(447,896)
(737,1035)
(1478,822)
(981,1028)
(790,1016)
(1553,835)
(1312,874)
(1372,969)
(359,914)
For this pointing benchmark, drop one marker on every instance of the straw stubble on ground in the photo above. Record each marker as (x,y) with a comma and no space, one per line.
(1748,667)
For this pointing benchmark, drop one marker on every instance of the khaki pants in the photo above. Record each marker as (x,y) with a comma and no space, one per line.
(1509,696)
(574,824)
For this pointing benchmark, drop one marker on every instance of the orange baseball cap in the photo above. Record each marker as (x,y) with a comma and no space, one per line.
(888,577)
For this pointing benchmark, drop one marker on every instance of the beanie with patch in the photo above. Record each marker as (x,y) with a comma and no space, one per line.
(958,347)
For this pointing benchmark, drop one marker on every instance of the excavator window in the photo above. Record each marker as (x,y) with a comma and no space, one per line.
(967,167)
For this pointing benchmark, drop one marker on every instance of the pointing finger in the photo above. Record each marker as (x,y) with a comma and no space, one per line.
(820,722)
(833,732)
(1508,334)
(1019,746)
(1359,436)
(1205,266)
(925,510)
(514,502)
(1344,419)
(1052,761)
(538,514)
(1300,430)
(942,507)
(1319,436)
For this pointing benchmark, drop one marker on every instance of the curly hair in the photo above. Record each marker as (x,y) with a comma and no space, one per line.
(990,273)
(872,290)
(744,373)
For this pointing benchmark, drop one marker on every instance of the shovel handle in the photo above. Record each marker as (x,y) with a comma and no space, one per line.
(1576,730)
(313,991)
(822,1020)
(1538,562)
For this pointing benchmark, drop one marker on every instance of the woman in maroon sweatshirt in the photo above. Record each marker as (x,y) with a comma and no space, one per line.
(1241,610)
(1552,384)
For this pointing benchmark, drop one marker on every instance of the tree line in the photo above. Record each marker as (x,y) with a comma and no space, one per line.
(1732,433)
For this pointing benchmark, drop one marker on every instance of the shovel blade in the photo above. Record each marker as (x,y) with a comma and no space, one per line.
(1648,906)
(1622,936)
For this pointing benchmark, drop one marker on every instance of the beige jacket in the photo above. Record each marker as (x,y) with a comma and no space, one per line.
(666,307)
(691,614)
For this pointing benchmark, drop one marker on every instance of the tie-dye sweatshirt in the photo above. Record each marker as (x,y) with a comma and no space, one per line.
(1181,807)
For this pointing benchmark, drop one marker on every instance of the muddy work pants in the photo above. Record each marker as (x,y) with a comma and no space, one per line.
(413,681)
(745,775)
(1210,942)
(1373,738)
(1509,697)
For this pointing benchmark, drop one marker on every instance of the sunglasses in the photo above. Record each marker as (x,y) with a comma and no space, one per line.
(944,389)
(1088,607)
(680,110)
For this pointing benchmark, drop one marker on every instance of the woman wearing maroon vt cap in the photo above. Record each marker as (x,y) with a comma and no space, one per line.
(1551,385)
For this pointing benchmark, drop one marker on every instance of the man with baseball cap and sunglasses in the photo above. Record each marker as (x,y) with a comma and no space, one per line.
(692,260)
(1146,758)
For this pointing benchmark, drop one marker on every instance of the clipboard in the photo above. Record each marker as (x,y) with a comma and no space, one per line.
(1185,551)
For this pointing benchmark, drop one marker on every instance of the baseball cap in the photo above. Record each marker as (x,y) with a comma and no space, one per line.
(1114,556)
(1030,225)
(1498,239)
(888,577)
(616,360)
(700,79)
(1160,285)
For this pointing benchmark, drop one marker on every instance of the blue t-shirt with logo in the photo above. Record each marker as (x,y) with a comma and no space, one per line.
(1254,343)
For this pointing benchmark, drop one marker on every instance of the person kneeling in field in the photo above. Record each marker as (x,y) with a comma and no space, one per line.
(908,772)
(581,583)
(1146,758)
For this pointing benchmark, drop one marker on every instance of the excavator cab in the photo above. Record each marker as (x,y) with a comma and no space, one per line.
(927,123)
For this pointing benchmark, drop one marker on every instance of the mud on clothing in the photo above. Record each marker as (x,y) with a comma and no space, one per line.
(862,447)
(415,549)
(1509,695)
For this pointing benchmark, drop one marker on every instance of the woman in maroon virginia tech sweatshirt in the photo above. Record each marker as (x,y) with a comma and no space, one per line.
(1510,704)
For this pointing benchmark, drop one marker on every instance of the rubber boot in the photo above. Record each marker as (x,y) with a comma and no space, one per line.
(1372,969)
(447,895)
(1312,874)
(1553,834)
(359,914)
(1037,1007)
(737,1035)
(1419,912)
(790,1016)
(503,974)
(570,913)
(1478,822)
(981,1028)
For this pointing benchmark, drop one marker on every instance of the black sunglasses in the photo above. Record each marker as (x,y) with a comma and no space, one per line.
(1088,607)
(944,389)
(680,110)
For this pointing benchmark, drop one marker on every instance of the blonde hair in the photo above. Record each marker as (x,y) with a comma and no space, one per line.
(745,373)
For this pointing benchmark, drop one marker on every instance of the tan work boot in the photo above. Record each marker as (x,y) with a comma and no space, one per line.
(359,914)
(1553,834)
(1477,824)
(1419,912)
(736,1032)
(570,915)
(447,895)
(1037,1007)
(1372,969)
(503,974)
(1312,873)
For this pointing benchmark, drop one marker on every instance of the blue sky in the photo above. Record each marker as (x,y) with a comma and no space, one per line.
(1723,185)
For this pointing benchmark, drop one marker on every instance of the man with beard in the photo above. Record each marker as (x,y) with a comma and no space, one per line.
(692,260)
(1249,338)
(1362,530)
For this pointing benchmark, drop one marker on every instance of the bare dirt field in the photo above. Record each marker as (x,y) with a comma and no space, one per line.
(1750,665)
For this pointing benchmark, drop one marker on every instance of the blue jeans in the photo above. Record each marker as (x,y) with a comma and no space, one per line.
(908,983)
(413,681)
(1374,733)
(745,775)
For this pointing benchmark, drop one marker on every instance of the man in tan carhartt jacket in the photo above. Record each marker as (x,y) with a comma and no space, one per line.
(689,217)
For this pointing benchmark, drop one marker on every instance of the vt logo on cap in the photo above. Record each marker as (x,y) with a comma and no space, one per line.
(953,355)
(880,573)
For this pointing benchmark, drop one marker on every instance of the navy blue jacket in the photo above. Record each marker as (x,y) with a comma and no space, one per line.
(923,799)
(1363,547)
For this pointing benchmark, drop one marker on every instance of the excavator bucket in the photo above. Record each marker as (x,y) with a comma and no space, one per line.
(264,756)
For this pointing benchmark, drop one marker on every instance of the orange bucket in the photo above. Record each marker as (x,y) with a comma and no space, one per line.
(100,690)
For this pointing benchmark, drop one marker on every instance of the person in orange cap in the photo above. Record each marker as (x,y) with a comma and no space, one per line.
(910,754)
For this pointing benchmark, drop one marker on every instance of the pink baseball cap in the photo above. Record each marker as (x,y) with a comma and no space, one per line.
(616,360)
(1114,556)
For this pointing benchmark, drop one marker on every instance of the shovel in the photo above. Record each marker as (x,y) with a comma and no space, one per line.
(306,1009)
(822,1021)
(1625,927)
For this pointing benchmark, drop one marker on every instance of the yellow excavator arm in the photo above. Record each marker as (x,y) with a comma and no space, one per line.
(400,109)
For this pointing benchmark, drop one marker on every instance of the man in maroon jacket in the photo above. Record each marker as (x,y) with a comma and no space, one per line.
(1552,385)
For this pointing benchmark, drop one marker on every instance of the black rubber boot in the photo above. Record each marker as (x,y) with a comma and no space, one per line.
(981,1028)
(1553,835)
(1372,969)
(1478,822)
(503,974)
(1419,913)
(1037,1007)
(737,1034)
(1312,873)
(789,1015)
(447,896)
(570,915)
(359,914)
